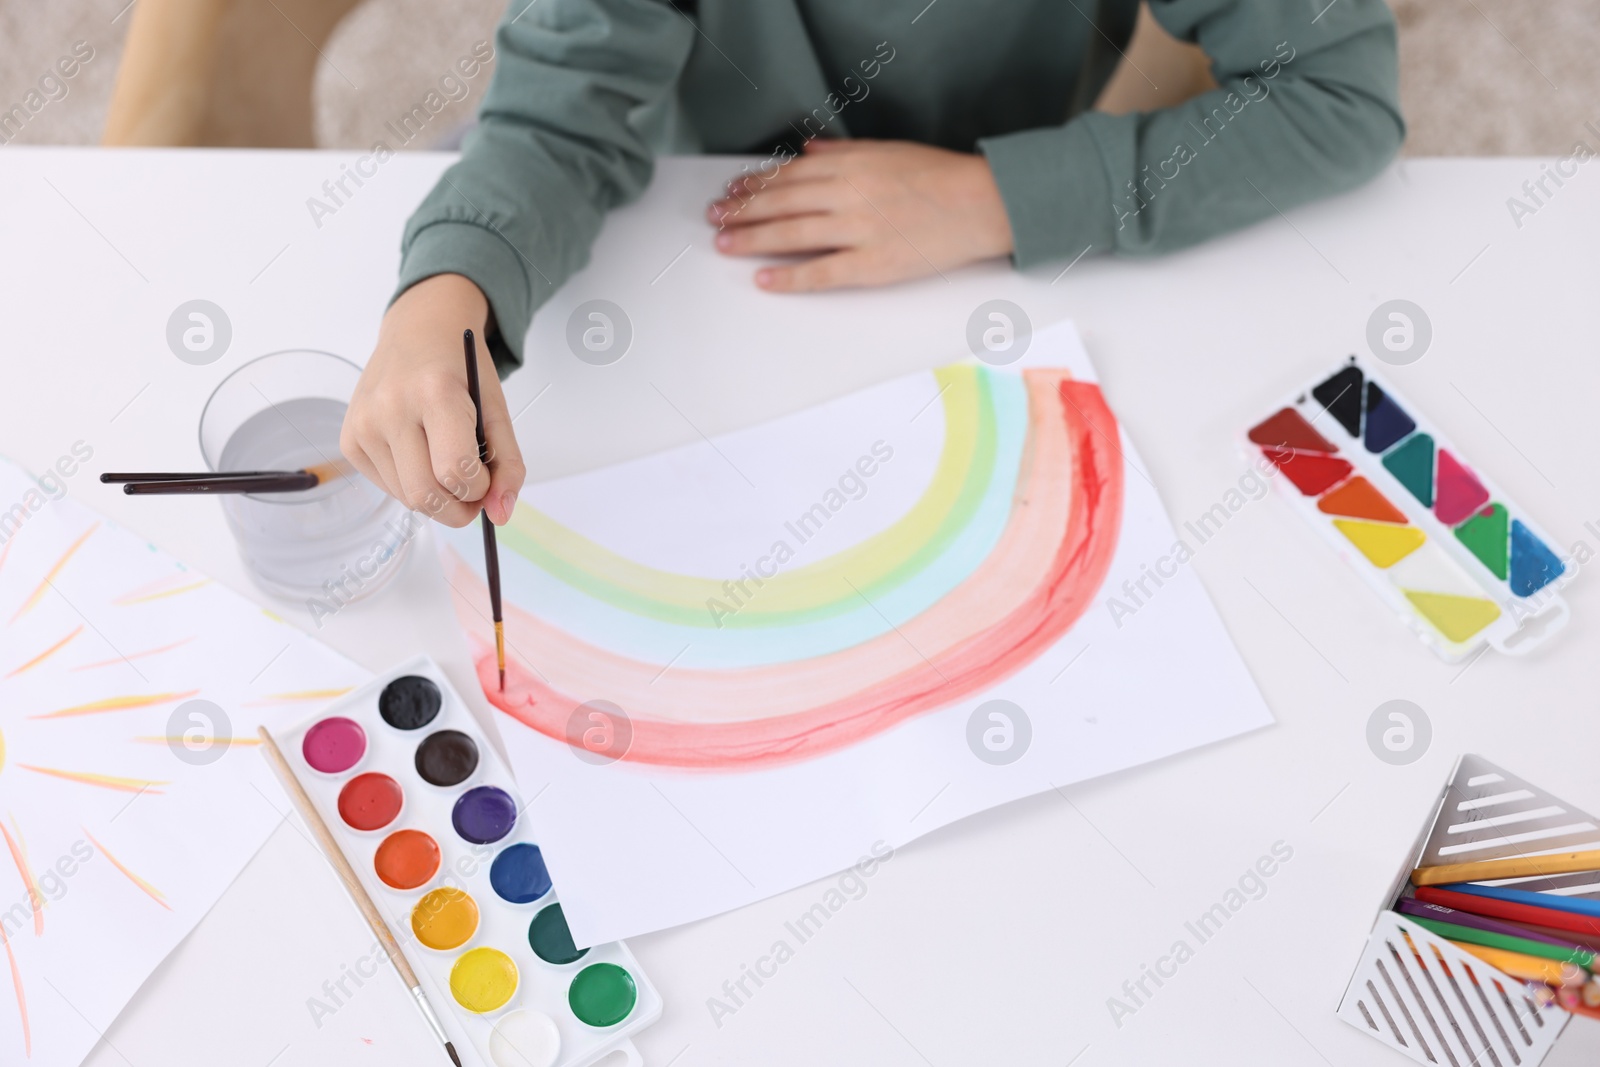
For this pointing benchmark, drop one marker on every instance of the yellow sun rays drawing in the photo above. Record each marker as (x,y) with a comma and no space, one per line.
(31,884)
(303,696)
(47,653)
(115,660)
(154,893)
(117,703)
(33,598)
(158,590)
(86,699)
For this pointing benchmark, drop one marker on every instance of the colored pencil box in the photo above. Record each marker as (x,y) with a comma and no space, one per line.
(1456,559)
(1429,998)
(433,823)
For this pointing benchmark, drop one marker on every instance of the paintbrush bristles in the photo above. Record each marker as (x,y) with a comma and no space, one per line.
(500,651)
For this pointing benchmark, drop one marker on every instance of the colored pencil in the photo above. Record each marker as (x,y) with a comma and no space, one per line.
(136,483)
(1548,901)
(491,551)
(1521,965)
(1420,909)
(1511,867)
(352,884)
(1511,943)
(1547,918)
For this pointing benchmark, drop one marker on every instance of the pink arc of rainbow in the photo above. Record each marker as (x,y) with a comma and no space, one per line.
(1084,538)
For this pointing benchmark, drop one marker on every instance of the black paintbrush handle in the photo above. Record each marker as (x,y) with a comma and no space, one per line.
(125,477)
(491,552)
(296,482)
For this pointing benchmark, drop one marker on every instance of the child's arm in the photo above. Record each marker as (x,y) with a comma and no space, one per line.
(1303,109)
(504,227)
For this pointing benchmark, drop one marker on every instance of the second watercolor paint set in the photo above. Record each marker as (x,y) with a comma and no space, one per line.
(437,831)
(1456,559)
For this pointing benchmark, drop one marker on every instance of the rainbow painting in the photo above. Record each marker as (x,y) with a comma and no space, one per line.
(749,658)
(991,565)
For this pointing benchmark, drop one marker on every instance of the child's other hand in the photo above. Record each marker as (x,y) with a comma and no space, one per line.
(879,211)
(411,427)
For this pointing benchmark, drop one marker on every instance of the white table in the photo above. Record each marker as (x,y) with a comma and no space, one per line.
(997,940)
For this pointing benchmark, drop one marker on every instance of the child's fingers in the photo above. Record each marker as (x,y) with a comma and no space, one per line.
(357,457)
(799,198)
(506,468)
(807,233)
(838,145)
(798,169)
(824,272)
(419,489)
(450,423)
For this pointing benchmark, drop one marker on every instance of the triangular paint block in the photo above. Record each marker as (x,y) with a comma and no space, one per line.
(1485,535)
(1289,429)
(1412,466)
(1357,499)
(1386,423)
(1457,617)
(1312,473)
(1533,565)
(1341,397)
(1459,492)
(1381,543)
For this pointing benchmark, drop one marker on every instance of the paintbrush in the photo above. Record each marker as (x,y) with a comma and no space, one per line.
(353,886)
(137,483)
(491,552)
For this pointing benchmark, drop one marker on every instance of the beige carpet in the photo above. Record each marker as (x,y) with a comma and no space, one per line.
(1478,77)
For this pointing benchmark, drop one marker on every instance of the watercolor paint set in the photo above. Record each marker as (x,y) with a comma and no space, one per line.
(433,823)
(1491,971)
(1459,562)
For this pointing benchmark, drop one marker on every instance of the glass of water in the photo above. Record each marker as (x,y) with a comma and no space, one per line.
(330,545)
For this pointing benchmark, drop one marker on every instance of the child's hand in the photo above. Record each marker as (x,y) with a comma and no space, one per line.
(883,211)
(411,427)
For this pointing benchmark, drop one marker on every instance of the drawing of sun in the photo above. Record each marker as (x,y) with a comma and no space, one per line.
(98,653)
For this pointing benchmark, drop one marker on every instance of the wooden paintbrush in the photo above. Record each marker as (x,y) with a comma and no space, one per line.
(369,911)
(491,551)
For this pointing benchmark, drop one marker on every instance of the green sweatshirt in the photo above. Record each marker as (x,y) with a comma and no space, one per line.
(587,92)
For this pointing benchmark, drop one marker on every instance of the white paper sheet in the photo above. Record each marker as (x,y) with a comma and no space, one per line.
(781,729)
(114,845)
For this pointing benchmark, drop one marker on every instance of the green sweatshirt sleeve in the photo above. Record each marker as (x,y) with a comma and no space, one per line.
(1307,105)
(553,153)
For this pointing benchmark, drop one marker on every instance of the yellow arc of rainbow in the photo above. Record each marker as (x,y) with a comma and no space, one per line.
(960,476)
